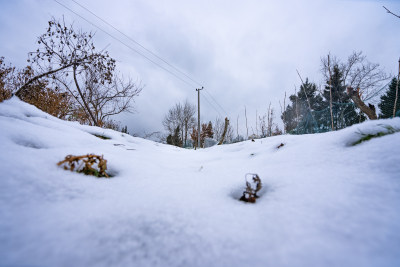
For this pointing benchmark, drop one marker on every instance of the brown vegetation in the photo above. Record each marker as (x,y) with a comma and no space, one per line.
(250,193)
(88,164)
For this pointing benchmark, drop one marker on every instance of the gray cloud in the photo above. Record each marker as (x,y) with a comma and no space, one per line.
(244,52)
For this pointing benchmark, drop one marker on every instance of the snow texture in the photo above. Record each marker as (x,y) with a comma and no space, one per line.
(323,203)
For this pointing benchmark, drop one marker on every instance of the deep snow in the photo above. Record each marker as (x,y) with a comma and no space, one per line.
(324,202)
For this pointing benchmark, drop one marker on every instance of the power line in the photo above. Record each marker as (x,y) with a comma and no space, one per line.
(136,42)
(226,113)
(128,46)
(149,51)
(208,101)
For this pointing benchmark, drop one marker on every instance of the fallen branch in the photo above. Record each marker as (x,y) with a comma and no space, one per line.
(368,110)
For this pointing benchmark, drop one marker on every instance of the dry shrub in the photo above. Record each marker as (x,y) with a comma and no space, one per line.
(250,193)
(6,72)
(39,93)
(88,164)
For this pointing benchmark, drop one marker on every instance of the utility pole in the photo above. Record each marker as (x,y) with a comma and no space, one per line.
(198,116)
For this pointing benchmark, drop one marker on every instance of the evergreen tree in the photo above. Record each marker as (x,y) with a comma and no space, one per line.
(298,114)
(124,129)
(175,139)
(343,110)
(387,101)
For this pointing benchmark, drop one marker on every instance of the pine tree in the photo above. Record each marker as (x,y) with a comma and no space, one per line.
(124,129)
(175,139)
(343,109)
(298,114)
(387,101)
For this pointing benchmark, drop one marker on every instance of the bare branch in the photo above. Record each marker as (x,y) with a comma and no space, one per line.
(390,12)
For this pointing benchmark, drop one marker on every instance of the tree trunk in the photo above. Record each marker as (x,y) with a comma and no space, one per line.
(368,110)
(83,98)
(224,133)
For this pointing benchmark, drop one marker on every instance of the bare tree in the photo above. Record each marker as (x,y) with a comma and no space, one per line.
(110,98)
(263,125)
(188,120)
(358,73)
(173,118)
(283,111)
(70,59)
(267,122)
(181,116)
(270,120)
(218,128)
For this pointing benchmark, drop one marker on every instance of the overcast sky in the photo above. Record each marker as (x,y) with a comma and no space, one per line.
(245,53)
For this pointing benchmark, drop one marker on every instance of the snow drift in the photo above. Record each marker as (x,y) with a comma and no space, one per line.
(324,202)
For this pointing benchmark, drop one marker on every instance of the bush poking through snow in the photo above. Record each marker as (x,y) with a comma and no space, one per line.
(102,136)
(366,137)
(88,164)
(252,187)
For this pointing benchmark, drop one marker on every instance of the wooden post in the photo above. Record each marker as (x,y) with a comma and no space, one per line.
(224,133)
(397,92)
(198,116)
(330,90)
(247,128)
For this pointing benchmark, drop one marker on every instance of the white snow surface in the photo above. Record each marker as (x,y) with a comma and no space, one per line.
(323,203)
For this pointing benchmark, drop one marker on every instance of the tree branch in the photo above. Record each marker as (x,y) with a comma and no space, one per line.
(23,87)
(390,12)
(368,110)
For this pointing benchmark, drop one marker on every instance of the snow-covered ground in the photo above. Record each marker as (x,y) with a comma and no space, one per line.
(324,202)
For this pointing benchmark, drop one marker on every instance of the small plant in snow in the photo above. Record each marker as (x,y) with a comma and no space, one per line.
(252,187)
(366,137)
(88,164)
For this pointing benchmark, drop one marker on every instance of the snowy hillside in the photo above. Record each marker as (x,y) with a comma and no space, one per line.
(324,201)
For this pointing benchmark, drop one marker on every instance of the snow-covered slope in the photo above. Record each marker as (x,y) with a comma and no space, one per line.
(324,202)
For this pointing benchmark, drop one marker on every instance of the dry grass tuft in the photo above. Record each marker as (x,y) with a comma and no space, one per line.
(88,164)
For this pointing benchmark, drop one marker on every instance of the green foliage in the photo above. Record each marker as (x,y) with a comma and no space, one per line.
(344,111)
(313,116)
(125,129)
(367,137)
(298,111)
(175,139)
(386,104)
(102,136)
